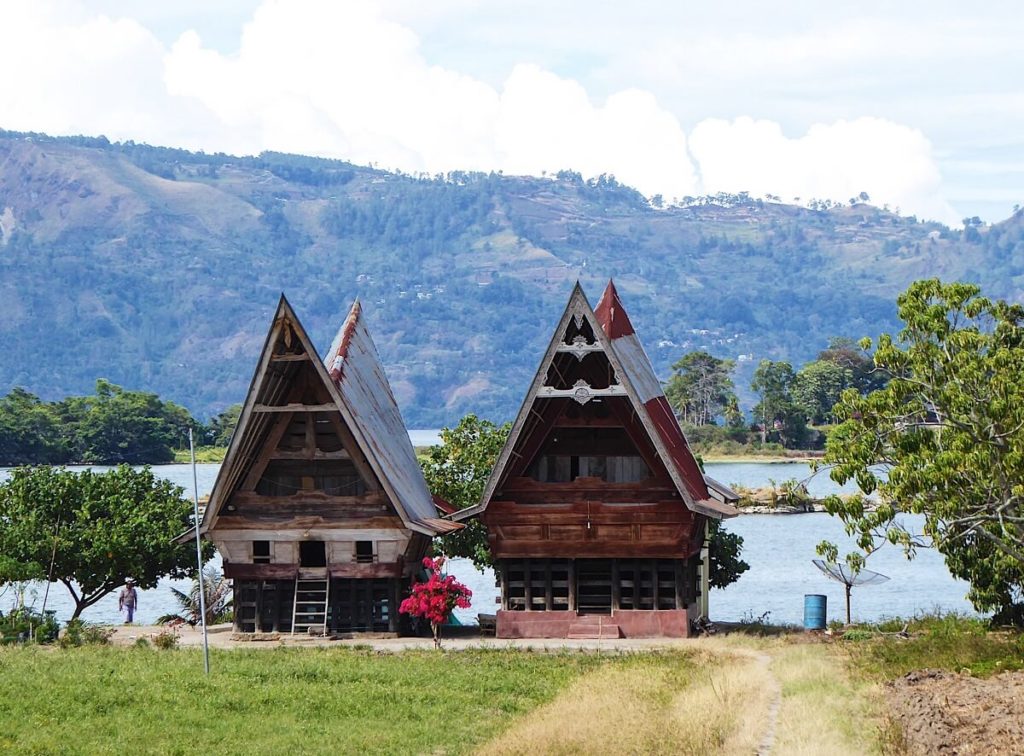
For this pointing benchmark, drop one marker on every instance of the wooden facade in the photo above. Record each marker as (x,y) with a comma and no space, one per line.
(320,510)
(596,510)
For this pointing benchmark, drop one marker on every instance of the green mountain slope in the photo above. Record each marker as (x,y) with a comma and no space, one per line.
(159,269)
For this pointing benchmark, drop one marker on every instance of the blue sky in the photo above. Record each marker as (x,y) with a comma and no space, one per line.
(919,104)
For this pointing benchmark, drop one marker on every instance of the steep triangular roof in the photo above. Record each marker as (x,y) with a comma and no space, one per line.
(374,419)
(268,392)
(615,337)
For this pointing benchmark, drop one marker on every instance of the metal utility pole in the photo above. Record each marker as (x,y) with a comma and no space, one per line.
(199,553)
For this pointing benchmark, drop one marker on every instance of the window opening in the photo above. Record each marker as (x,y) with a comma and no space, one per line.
(312,554)
(364,552)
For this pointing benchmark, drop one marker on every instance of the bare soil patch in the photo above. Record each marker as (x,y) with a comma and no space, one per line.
(949,713)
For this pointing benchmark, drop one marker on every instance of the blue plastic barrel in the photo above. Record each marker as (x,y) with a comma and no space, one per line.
(814,611)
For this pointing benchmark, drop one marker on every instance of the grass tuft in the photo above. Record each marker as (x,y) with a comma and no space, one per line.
(940,641)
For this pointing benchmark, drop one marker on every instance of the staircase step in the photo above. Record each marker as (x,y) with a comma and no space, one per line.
(593,631)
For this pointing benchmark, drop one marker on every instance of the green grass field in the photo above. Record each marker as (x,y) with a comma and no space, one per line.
(720,695)
(294,701)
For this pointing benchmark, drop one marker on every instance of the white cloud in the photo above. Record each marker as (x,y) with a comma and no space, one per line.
(891,162)
(548,123)
(344,79)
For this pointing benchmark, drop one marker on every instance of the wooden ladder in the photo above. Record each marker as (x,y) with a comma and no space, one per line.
(310,604)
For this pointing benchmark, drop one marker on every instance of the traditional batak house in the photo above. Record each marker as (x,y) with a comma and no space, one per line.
(596,510)
(320,510)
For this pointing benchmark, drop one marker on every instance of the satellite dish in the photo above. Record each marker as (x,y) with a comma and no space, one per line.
(842,573)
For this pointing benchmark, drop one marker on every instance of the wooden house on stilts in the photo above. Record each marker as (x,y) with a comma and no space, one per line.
(596,510)
(320,510)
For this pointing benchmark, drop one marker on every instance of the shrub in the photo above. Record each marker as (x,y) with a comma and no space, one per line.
(79,633)
(436,597)
(24,624)
(857,634)
(166,640)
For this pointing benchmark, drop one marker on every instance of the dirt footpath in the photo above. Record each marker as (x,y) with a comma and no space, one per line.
(947,713)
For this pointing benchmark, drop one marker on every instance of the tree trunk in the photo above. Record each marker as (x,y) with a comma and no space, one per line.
(435,628)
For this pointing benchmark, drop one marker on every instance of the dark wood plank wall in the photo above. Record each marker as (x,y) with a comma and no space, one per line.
(596,585)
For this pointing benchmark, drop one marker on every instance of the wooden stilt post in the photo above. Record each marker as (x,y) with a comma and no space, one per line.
(528,584)
(616,586)
(503,572)
(548,604)
(572,585)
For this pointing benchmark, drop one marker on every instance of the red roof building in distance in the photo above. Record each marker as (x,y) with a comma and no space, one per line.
(596,510)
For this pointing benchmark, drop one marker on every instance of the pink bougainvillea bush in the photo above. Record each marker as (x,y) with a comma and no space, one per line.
(435,598)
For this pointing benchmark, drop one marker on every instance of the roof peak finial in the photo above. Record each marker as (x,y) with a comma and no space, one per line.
(611,314)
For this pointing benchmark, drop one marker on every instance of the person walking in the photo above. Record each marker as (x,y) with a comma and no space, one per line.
(128,600)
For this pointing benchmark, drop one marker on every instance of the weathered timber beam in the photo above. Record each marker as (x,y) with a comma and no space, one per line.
(588,506)
(595,549)
(303,454)
(356,570)
(262,458)
(590,482)
(290,357)
(290,531)
(296,407)
(260,571)
(549,517)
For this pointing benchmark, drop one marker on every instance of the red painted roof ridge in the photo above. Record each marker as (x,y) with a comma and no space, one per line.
(612,315)
(337,360)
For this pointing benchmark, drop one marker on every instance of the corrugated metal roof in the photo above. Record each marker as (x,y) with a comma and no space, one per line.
(721,491)
(614,332)
(373,417)
(637,372)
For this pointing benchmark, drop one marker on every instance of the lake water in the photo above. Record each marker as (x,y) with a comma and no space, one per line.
(779,549)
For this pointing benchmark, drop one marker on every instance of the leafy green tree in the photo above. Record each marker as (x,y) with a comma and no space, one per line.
(847,353)
(119,426)
(700,388)
(724,549)
(778,414)
(29,431)
(817,388)
(99,528)
(223,425)
(944,439)
(457,471)
(733,414)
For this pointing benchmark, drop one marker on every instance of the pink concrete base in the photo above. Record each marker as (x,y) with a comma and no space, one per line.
(667,623)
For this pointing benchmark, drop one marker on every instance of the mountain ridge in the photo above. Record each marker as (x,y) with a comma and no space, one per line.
(159,269)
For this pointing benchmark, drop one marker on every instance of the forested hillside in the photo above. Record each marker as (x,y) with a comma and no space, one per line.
(159,269)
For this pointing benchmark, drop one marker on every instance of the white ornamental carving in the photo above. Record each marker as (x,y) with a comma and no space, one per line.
(579,348)
(581,391)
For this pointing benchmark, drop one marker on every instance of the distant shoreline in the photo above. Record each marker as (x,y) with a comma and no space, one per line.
(762,459)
